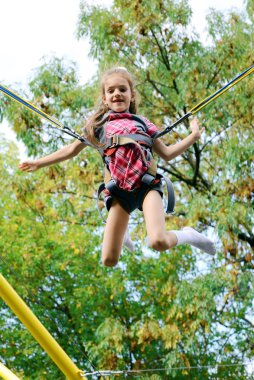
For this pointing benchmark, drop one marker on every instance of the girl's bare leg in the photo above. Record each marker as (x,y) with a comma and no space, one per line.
(116,226)
(158,237)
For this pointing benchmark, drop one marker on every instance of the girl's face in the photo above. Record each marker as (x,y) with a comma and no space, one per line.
(117,93)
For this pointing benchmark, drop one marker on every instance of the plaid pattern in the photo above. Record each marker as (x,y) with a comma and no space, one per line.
(126,163)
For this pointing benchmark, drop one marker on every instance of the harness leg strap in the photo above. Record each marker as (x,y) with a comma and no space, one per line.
(171,195)
(101,188)
(148,179)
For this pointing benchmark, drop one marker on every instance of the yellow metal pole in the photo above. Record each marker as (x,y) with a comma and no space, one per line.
(6,374)
(39,332)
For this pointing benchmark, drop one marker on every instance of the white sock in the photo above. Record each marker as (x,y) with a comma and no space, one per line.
(190,236)
(127,242)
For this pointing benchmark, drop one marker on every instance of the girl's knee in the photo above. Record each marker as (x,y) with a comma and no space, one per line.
(160,242)
(110,260)
(158,245)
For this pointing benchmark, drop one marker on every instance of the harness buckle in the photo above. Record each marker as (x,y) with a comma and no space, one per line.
(115,140)
(148,179)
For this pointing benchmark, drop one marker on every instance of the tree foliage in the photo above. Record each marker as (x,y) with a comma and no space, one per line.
(179,309)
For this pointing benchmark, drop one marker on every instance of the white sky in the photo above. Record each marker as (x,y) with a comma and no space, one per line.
(31,29)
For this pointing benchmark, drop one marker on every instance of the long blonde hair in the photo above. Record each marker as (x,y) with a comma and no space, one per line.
(96,120)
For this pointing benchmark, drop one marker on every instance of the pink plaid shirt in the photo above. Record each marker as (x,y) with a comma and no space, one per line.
(126,163)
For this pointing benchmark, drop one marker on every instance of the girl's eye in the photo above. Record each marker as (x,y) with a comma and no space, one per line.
(121,89)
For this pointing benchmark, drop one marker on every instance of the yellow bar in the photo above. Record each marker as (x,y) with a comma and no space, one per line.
(39,332)
(6,374)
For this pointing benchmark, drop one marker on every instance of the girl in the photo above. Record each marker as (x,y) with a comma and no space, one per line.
(127,163)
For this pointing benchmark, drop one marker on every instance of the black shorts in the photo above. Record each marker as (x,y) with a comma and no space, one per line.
(130,200)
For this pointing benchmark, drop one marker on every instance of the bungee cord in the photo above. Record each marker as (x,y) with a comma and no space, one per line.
(52,120)
(207,100)
(56,123)
(184,368)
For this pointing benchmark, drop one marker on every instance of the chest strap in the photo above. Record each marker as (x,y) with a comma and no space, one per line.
(139,140)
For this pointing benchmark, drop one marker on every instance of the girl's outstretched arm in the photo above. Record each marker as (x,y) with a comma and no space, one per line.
(170,152)
(60,155)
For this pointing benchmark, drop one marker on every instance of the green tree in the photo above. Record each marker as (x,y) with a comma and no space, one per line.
(176,309)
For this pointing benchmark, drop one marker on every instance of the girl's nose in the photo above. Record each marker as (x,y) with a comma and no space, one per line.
(117,92)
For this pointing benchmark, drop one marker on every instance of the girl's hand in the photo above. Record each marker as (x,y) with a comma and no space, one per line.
(29,166)
(196,128)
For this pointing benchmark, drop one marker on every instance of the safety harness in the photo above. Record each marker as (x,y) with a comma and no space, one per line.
(145,143)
